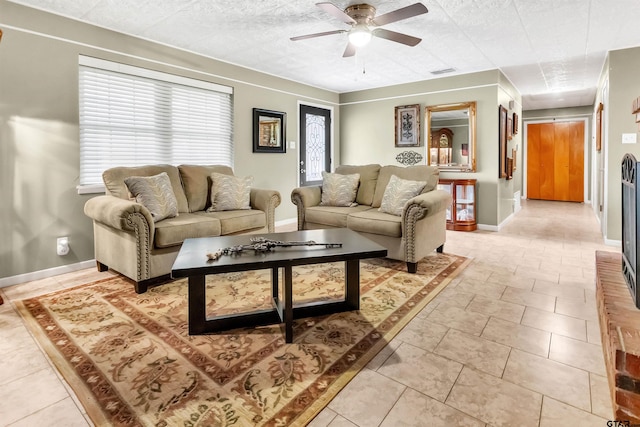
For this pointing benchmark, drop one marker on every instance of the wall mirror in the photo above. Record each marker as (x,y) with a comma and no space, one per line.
(451,132)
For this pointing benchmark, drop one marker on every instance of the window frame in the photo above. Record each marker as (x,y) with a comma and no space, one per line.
(171,83)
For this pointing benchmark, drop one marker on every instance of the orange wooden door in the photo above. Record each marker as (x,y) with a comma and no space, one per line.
(555,161)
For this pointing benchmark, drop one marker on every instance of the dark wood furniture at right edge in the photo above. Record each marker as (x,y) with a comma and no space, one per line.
(461,215)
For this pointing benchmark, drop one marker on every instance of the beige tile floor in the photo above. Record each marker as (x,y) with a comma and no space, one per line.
(512,341)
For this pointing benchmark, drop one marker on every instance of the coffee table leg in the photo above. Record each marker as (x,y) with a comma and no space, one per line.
(352,283)
(274,283)
(197,305)
(288,304)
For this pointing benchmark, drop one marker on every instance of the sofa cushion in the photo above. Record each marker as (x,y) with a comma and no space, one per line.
(414,173)
(113,179)
(237,221)
(229,193)
(333,216)
(197,184)
(338,189)
(368,179)
(154,193)
(398,193)
(375,222)
(173,231)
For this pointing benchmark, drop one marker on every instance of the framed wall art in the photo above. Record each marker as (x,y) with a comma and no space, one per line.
(407,123)
(515,123)
(599,126)
(269,131)
(502,142)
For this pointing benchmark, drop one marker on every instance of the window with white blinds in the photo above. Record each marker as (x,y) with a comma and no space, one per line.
(131,116)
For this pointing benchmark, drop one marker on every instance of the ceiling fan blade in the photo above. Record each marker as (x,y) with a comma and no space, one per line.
(349,51)
(396,37)
(336,12)
(310,36)
(399,14)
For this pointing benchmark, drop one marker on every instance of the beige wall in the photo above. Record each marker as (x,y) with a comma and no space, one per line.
(507,188)
(624,87)
(39,148)
(367,133)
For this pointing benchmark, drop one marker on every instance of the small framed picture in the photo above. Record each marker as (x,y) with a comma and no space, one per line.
(599,126)
(515,123)
(269,131)
(407,119)
(502,141)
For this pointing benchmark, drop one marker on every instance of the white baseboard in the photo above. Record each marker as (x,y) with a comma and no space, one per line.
(43,274)
(286,222)
(486,227)
(616,243)
(50,272)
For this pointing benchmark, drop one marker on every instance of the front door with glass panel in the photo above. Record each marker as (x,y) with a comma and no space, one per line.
(315,144)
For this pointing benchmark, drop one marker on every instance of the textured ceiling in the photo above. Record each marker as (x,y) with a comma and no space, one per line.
(551,50)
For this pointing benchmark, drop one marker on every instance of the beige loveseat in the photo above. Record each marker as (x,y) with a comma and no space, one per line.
(418,230)
(127,239)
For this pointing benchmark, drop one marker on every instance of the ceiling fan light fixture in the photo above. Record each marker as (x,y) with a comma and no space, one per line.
(360,35)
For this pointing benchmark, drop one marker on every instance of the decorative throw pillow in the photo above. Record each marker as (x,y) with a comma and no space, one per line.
(229,192)
(154,193)
(339,190)
(398,193)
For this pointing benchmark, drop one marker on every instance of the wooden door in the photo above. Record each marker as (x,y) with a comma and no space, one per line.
(555,161)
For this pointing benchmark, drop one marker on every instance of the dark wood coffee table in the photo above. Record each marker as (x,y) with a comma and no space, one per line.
(192,263)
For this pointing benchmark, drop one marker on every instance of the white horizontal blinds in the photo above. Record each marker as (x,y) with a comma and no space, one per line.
(130,120)
(199,119)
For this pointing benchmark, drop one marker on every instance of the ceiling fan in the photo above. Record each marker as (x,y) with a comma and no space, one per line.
(364,24)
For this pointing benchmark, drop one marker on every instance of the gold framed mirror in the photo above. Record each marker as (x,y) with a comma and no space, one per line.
(451,136)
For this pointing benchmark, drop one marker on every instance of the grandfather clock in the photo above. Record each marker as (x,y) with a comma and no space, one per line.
(441,146)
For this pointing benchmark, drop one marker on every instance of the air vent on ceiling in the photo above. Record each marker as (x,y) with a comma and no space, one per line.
(443,71)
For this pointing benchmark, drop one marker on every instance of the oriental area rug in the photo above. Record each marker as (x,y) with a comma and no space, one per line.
(131,362)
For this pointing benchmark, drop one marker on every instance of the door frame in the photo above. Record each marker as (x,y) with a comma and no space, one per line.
(587,153)
(300,130)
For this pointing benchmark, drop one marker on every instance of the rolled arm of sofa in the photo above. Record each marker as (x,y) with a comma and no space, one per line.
(304,197)
(121,214)
(266,201)
(425,205)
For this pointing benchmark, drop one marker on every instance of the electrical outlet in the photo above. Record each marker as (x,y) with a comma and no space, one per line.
(62,246)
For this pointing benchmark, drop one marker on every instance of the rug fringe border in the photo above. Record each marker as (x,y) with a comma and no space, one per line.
(67,373)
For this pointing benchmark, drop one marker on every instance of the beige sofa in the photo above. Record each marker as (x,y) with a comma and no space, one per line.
(408,237)
(127,239)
